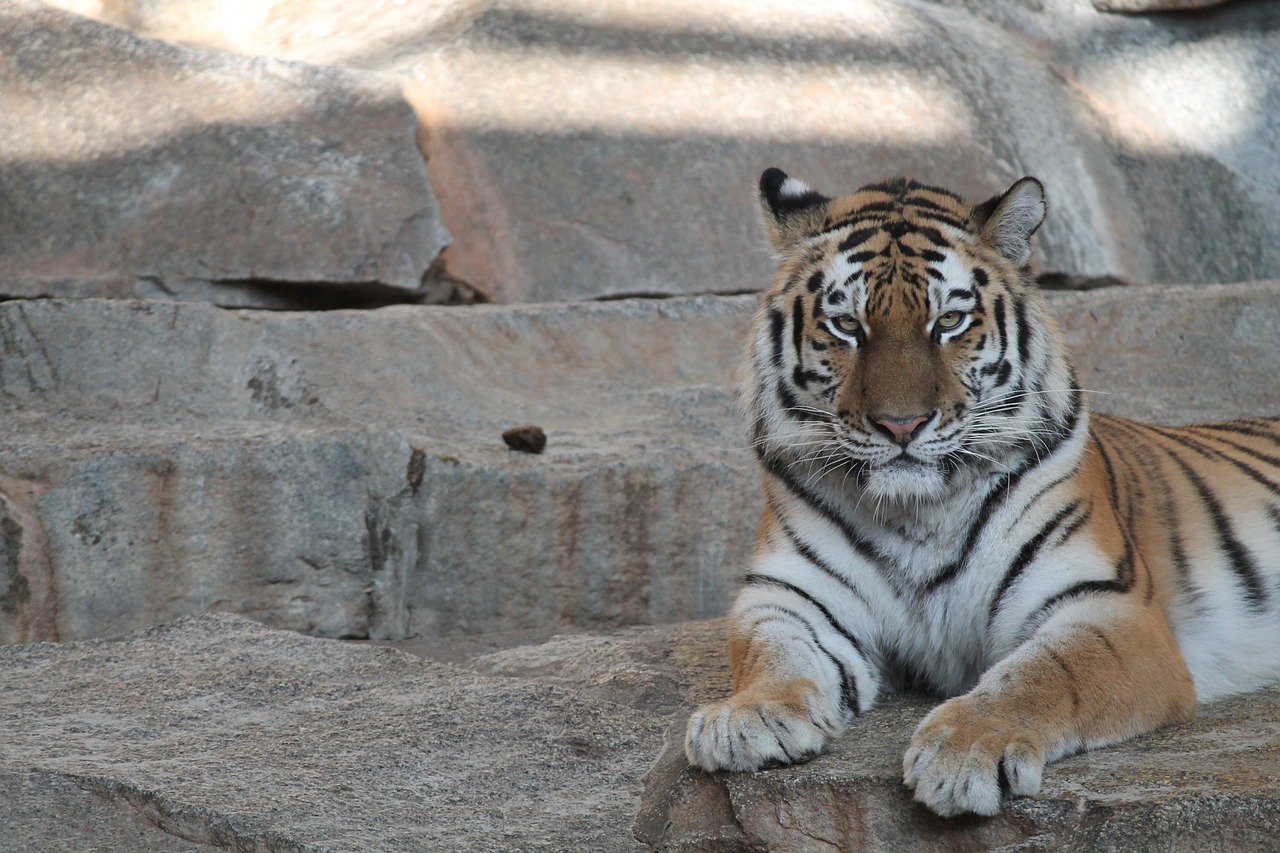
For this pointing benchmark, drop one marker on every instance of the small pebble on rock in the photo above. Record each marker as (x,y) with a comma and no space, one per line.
(526,439)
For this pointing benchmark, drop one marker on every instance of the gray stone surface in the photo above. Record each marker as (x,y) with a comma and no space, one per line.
(222,732)
(1137,6)
(343,473)
(219,731)
(131,167)
(1212,785)
(46,812)
(582,148)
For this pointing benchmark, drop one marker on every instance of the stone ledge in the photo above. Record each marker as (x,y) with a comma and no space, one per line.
(223,732)
(180,453)
(138,168)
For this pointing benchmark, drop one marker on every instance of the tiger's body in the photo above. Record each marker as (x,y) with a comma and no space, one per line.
(943,513)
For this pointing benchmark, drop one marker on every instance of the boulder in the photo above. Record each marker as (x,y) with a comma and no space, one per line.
(131,167)
(582,149)
(344,473)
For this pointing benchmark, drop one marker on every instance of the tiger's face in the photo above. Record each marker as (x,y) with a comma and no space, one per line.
(901,336)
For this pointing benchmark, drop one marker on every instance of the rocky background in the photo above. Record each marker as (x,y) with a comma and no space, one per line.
(243,371)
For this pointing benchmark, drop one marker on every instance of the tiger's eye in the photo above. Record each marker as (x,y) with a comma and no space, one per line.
(949,321)
(845,323)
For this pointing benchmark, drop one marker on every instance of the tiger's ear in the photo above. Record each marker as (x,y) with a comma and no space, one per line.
(1007,221)
(792,209)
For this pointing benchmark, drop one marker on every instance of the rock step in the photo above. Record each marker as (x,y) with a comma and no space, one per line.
(219,731)
(138,168)
(325,472)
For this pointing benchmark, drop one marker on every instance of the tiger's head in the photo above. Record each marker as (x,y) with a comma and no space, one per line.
(903,339)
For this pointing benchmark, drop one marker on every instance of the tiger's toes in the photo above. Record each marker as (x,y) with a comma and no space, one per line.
(955,759)
(739,734)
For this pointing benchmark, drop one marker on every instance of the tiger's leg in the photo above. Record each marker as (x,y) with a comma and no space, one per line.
(1098,671)
(788,699)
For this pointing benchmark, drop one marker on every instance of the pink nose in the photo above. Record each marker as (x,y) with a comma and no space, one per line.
(900,429)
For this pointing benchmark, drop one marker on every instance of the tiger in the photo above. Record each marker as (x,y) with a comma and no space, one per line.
(944,515)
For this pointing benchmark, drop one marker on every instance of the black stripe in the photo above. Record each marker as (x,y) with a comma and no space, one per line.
(933,257)
(809,554)
(1273,461)
(791,405)
(1026,554)
(848,684)
(1075,526)
(1243,429)
(776,323)
(959,293)
(1001,330)
(1083,588)
(1124,520)
(860,257)
(1238,557)
(778,468)
(753,579)
(797,328)
(1007,483)
(815,282)
(933,235)
(857,238)
(1167,508)
(1209,452)
(1023,332)
(980,278)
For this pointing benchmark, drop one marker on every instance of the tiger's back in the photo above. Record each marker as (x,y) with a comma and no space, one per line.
(943,512)
(1204,502)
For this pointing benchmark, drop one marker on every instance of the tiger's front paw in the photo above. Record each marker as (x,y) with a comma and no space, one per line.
(748,731)
(954,759)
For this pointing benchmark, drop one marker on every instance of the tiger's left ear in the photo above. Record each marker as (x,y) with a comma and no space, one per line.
(1007,221)
(792,209)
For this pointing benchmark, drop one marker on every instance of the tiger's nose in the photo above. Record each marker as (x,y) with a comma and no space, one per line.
(900,429)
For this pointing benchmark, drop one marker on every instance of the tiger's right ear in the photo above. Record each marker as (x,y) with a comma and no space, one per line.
(792,209)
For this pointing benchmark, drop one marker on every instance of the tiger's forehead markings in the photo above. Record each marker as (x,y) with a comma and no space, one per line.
(891,238)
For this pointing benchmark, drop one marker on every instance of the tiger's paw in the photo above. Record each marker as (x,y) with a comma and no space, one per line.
(957,753)
(747,732)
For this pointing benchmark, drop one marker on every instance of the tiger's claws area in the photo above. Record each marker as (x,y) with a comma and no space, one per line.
(961,759)
(744,734)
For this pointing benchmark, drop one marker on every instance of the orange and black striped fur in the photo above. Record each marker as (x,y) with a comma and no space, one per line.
(944,514)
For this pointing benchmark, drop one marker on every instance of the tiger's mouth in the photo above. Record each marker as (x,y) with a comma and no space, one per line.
(905,477)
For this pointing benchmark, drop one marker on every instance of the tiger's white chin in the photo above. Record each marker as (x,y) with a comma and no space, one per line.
(904,482)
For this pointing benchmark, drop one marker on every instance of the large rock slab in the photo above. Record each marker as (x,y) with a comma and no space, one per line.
(217,731)
(1211,785)
(221,732)
(131,167)
(583,148)
(343,473)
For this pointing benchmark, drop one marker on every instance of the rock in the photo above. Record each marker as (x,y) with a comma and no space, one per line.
(340,473)
(1136,6)
(527,439)
(215,730)
(586,149)
(221,732)
(135,168)
(1211,785)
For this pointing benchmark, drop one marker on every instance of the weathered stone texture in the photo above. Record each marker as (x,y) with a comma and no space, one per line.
(223,732)
(137,168)
(583,148)
(220,731)
(343,473)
